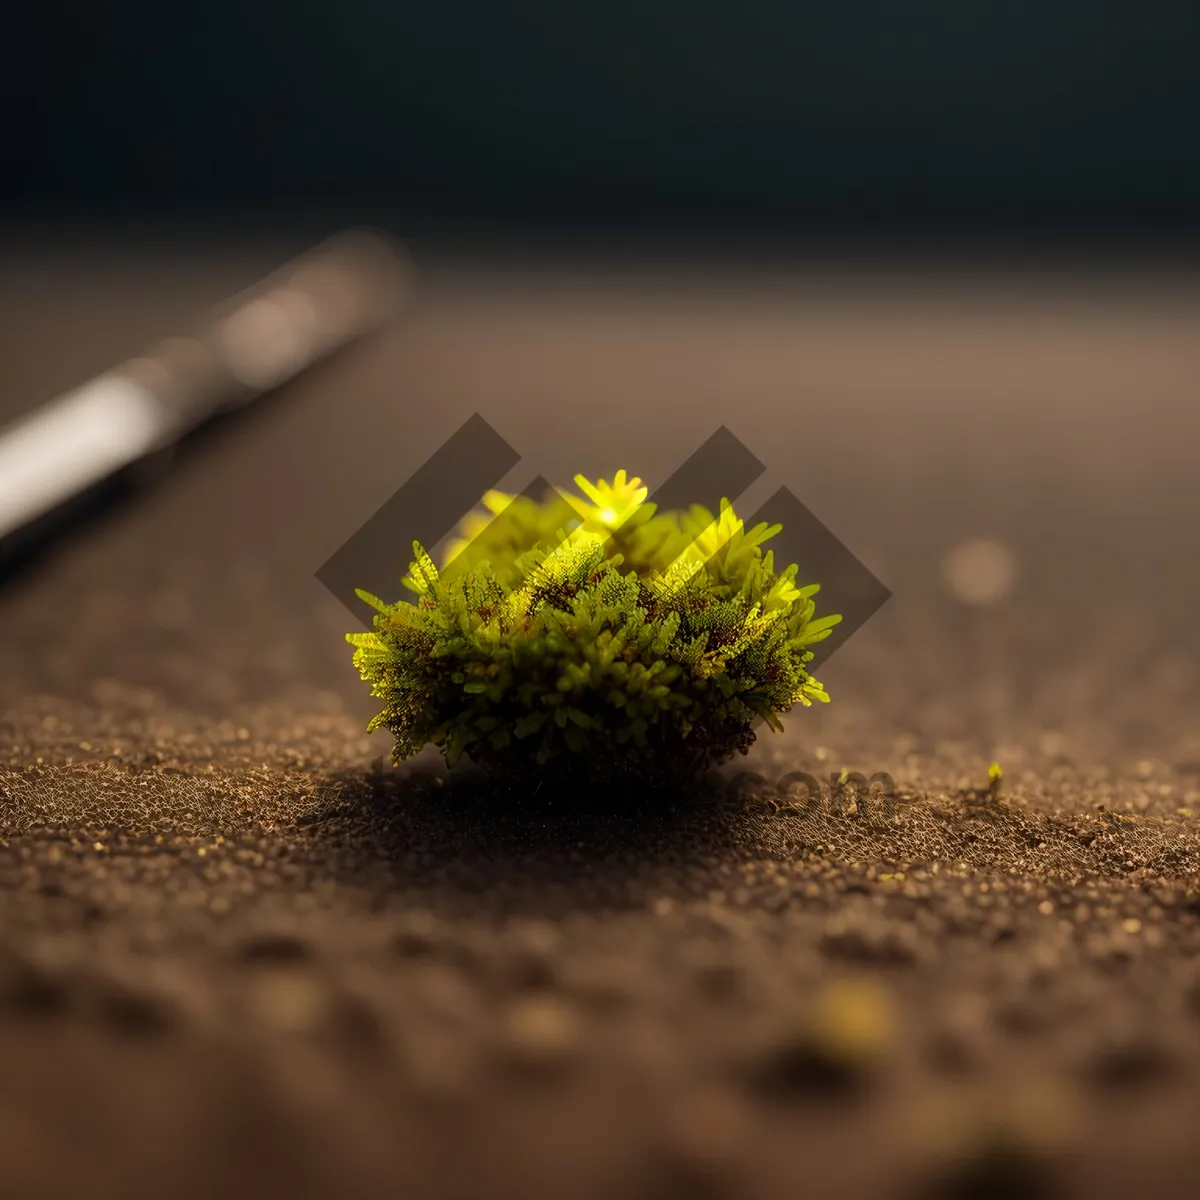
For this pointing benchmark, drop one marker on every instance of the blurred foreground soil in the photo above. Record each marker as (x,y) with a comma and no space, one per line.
(240,957)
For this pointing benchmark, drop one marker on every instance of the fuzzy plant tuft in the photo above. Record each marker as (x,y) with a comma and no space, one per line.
(589,636)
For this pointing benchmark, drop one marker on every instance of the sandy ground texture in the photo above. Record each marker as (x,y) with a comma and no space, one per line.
(239,956)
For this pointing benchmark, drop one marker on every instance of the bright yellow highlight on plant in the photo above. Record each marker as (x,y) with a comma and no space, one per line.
(611,504)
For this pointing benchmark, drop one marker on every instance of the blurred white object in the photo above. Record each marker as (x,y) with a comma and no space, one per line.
(320,303)
(72,443)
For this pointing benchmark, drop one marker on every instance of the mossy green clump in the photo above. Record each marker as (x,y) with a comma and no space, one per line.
(590,636)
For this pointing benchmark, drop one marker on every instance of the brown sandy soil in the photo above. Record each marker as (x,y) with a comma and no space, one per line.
(238,958)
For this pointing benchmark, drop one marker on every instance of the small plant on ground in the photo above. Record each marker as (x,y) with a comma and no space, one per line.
(590,636)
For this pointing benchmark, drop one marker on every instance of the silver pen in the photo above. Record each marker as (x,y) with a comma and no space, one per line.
(316,305)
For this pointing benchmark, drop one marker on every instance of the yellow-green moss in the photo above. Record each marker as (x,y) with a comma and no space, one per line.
(591,635)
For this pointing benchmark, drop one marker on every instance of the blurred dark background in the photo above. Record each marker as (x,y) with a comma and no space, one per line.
(860,119)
